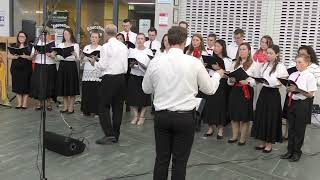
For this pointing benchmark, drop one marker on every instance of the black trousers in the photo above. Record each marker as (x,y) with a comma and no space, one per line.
(174,134)
(298,114)
(111,94)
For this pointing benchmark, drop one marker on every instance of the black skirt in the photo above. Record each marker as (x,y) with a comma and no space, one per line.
(21,72)
(267,125)
(240,108)
(215,109)
(90,97)
(43,81)
(135,95)
(67,79)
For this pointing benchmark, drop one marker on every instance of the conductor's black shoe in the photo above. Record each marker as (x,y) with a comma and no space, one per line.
(107,140)
(286,156)
(294,158)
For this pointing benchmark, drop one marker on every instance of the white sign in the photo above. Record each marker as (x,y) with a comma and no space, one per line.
(164,1)
(4,18)
(144,26)
(163,19)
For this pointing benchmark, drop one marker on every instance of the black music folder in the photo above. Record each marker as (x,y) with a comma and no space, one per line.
(64,52)
(288,82)
(260,80)
(130,44)
(42,49)
(214,59)
(19,51)
(93,53)
(239,74)
(132,61)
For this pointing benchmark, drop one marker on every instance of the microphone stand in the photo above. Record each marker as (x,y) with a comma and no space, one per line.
(43,90)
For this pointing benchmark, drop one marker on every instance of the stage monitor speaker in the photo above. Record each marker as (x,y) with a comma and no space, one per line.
(66,146)
(29,27)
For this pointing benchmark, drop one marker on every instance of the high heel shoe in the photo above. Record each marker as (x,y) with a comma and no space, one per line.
(70,112)
(208,134)
(219,137)
(267,151)
(232,140)
(241,143)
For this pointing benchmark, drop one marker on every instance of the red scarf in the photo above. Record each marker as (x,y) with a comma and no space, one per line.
(196,53)
(245,89)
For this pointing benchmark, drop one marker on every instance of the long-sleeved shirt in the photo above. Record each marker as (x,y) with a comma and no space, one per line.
(175,79)
(113,58)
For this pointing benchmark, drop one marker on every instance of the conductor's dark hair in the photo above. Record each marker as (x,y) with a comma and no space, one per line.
(177,35)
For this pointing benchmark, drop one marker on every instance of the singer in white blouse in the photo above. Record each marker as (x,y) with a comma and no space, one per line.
(136,98)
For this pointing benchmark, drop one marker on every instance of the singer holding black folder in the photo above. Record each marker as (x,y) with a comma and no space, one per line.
(90,77)
(21,70)
(215,110)
(49,67)
(68,78)
(241,95)
(136,98)
(267,125)
(175,79)
(299,106)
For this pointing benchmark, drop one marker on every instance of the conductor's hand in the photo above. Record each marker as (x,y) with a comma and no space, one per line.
(221,72)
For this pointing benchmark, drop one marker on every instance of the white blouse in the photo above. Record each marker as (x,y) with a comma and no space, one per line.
(72,57)
(280,72)
(90,73)
(306,82)
(143,59)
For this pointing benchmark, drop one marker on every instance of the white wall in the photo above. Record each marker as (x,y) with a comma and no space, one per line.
(4,18)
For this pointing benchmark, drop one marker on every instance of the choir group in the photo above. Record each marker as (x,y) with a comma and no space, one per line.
(233,101)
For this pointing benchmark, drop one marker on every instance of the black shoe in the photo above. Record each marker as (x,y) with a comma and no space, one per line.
(259,148)
(208,134)
(20,107)
(63,111)
(107,140)
(294,158)
(286,156)
(267,151)
(219,137)
(232,140)
(70,112)
(241,143)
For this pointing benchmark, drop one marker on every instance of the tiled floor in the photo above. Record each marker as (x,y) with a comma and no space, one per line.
(19,132)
